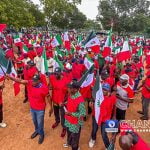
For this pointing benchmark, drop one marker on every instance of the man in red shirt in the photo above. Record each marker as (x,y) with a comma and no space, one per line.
(125,95)
(29,71)
(145,97)
(107,111)
(37,93)
(132,141)
(2,124)
(58,85)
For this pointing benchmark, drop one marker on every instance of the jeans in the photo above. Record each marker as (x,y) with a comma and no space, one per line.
(38,120)
(136,84)
(1,113)
(145,106)
(59,114)
(73,139)
(103,133)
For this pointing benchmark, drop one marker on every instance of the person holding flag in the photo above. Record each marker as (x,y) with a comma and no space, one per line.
(104,110)
(37,93)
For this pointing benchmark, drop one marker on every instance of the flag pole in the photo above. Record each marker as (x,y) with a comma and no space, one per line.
(4,75)
(2,69)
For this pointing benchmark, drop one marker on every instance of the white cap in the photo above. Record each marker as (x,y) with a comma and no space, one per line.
(124,77)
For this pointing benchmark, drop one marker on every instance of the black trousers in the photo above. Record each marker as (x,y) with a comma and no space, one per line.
(1,113)
(59,114)
(120,114)
(73,139)
(26,93)
(145,107)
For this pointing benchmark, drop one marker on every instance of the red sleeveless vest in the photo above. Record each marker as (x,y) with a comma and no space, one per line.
(72,107)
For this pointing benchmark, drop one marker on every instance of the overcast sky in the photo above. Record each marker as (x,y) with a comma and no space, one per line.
(88,7)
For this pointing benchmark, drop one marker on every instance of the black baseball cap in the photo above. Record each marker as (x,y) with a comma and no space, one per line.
(57,70)
(74,84)
(31,63)
(36,78)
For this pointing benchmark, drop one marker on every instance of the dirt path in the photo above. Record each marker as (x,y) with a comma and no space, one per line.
(17,135)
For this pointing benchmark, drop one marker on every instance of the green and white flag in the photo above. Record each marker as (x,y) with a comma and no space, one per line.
(59,52)
(56,41)
(88,62)
(17,39)
(44,65)
(140,52)
(97,94)
(79,39)
(58,63)
(25,49)
(87,78)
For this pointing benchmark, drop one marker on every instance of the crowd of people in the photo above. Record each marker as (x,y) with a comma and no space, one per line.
(59,85)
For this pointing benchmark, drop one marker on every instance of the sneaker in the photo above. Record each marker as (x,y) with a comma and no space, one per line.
(65,145)
(91,143)
(41,139)
(34,135)
(55,125)
(63,133)
(3,125)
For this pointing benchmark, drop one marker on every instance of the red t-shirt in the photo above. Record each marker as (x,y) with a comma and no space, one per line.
(106,108)
(37,96)
(145,92)
(29,73)
(77,70)
(59,89)
(43,79)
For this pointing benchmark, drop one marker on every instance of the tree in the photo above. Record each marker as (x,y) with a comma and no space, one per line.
(127,15)
(63,13)
(20,13)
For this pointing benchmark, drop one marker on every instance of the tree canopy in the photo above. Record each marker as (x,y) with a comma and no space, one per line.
(64,13)
(127,15)
(20,13)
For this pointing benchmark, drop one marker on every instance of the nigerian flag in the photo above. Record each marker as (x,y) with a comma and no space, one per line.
(88,62)
(58,63)
(57,40)
(87,78)
(97,94)
(25,49)
(140,52)
(17,39)
(44,65)
(59,52)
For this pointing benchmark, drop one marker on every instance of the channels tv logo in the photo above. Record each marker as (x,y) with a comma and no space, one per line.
(112,126)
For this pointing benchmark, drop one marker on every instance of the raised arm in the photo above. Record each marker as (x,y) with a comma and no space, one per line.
(17,79)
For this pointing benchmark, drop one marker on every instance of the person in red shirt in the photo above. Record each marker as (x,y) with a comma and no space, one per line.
(77,69)
(2,124)
(132,141)
(145,98)
(58,85)
(138,68)
(29,71)
(37,94)
(125,95)
(107,111)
